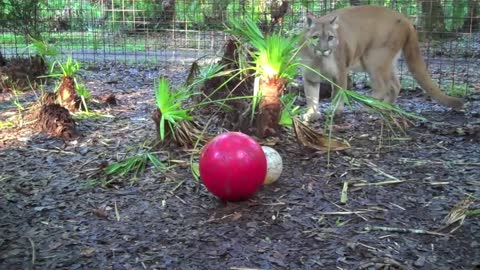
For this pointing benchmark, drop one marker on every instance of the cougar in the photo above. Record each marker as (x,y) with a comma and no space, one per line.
(369,39)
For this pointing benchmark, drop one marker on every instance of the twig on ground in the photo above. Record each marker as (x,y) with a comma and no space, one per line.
(390,182)
(438,183)
(180,199)
(358,213)
(343,213)
(420,162)
(177,186)
(55,150)
(344,193)
(398,206)
(473,182)
(34,256)
(382,263)
(401,230)
(377,170)
(117,213)
(5,178)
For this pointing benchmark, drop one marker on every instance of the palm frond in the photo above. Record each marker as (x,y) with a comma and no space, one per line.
(67,69)
(273,55)
(289,110)
(43,48)
(315,140)
(170,103)
(135,164)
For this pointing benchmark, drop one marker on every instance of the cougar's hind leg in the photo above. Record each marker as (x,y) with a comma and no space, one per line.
(395,87)
(379,67)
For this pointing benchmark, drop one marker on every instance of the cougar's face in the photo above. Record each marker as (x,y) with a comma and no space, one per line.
(322,35)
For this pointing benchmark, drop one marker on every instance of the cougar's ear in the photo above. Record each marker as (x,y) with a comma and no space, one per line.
(311,19)
(334,22)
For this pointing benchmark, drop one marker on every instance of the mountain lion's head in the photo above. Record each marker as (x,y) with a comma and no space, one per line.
(322,34)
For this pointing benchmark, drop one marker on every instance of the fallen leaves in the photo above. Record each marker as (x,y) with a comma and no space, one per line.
(57,121)
(313,139)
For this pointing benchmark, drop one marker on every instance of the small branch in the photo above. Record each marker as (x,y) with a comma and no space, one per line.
(401,230)
(421,162)
(34,256)
(438,183)
(391,182)
(358,213)
(343,213)
(177,186)
(117,213)
(344,193)
(376,169)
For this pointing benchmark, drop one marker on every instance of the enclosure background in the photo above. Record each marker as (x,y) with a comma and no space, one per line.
(184,30)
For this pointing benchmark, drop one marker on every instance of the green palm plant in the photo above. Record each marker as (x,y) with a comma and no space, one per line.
(289,110)
(217,76)
(386,110)
(391,114)
(67,94)
(169,107)
(43,48)
(275,65)
(135,165)
(173,118)
(313,139)
(84,94)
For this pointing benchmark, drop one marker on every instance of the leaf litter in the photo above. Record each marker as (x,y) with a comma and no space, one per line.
(55,214)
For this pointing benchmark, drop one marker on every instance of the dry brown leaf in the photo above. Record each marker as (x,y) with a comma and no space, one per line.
(459,211)
(88,252)
(100,212)
(313,139)
(236,216)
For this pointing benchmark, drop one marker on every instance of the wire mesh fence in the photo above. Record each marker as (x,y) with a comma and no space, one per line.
(184,30)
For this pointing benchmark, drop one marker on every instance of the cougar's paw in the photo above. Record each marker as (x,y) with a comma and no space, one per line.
(339,110)
(311,116)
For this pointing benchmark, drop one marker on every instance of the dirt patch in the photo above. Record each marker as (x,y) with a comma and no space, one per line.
(56,121)
(20,73)
(54,215)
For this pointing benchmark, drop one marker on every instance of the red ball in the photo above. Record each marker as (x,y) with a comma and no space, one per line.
(233,166)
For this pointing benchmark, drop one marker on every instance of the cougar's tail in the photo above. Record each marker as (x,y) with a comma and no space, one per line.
(418,68)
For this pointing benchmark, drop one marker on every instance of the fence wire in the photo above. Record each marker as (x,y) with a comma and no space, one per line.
(184,30)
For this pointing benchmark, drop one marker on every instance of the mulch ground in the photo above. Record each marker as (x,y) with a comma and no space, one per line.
(55,214)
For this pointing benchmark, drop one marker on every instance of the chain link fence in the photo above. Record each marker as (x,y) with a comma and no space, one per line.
(184,30)
(140,30)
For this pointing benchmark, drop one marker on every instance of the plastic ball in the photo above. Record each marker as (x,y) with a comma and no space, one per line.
(233,166)
(274,165)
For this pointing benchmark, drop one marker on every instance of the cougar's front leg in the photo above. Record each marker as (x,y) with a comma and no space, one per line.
(312,94)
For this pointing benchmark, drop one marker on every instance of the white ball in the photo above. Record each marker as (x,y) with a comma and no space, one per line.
(274,165)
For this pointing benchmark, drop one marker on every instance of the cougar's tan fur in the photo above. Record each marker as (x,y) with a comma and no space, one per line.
(364,38)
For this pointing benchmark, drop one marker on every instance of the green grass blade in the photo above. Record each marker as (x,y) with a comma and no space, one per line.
(162,127)
(344,193)
(155,161)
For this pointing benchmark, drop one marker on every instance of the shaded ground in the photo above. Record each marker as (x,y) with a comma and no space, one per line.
(54,216)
